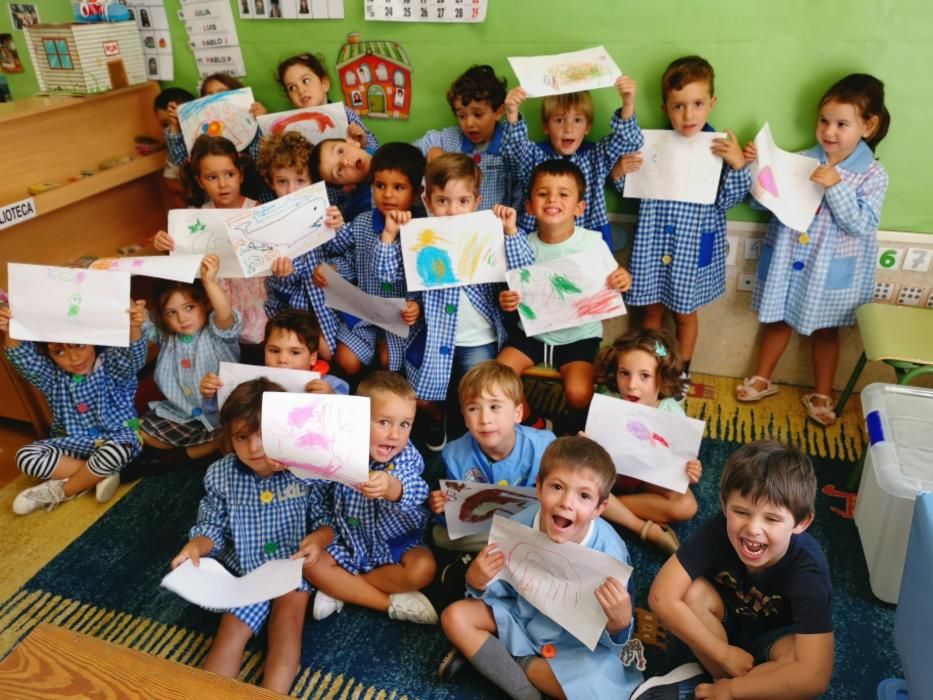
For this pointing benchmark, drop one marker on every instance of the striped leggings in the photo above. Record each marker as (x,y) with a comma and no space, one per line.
(39,459)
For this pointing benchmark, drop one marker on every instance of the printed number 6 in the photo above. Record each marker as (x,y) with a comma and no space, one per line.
(888,258)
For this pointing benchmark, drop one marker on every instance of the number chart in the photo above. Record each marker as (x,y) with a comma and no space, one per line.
(426,10)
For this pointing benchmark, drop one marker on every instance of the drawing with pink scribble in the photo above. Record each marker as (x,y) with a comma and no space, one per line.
(643,432)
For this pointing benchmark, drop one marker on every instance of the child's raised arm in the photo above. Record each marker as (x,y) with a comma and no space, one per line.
(163,242)
(5,316)
(393,225)
(627,88)
(513,103)
(137,319)
(223,311)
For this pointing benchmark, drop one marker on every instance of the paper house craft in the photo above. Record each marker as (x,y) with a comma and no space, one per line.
(86,58)
(375,77)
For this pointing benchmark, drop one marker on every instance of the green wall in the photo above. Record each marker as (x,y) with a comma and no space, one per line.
(773,61)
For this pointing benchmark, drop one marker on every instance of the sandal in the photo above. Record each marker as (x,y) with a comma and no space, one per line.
(824,415)
(668,543)
(746,391)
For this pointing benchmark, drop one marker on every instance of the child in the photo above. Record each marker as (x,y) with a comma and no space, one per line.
(555,199)
(642,366)
(477,98)
(290,336)
(496,624)
(463,325)
(165,107)
(90,394)
(566,120)
(214,176)
(196,329)
(252,499)
(679,254)
(813,282)
(376,558)
(750,591)
(397,170)
(283,162)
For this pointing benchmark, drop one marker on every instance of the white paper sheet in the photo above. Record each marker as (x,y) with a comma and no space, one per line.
(471,505)
(318,436)
(232,374)
(561,73)
(69,305)
(676,168)
(558,579)
(209,585)
(344,296)
(314,123)
(781,182)
(566,292)
(285,227)
(180,268)
(221,114)
(645,443)
(453,251)
(201,232)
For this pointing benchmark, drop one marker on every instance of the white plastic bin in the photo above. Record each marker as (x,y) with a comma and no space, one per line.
(898,464)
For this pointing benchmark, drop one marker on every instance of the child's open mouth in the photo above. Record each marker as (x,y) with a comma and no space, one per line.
(561,523)
(752,549)
(633,398)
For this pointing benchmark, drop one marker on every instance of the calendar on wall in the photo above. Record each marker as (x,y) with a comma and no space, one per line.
(425,10)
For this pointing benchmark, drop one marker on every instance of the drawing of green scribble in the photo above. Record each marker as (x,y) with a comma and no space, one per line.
(563,286)
(527,311)
(525,274)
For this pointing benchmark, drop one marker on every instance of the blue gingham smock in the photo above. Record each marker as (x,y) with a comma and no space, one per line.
(252,520)
(364,528)
(819,278)
(500,184)
(182,363)
(595,160)
(679,254)
(87,408)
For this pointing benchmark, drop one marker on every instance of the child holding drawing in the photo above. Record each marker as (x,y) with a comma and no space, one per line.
(252,499)
(515,645)
(643,366)
(90,394)
(679,254)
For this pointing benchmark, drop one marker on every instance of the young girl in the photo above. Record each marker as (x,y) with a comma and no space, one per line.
(306,84)
(643,366)
(252,499)
(196,329)
(813,282)
(214,178)
(90,393)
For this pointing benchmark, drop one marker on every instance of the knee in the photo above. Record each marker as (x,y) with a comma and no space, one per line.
(578,394)
(682,507)
(421,570)
(454,618)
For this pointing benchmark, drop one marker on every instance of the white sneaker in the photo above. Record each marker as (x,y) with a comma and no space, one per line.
(325,606)
(678,683)
(46,495)
(106,487)
(412,607)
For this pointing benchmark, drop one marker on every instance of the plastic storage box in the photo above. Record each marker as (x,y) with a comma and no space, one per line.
(898,464)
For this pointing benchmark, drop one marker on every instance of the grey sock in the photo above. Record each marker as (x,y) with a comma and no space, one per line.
(494,661)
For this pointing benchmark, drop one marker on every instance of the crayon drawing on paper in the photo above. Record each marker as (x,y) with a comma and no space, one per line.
(314,123)
(202,232)
(221,114)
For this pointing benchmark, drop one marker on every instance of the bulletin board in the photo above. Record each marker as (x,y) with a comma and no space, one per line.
(773,61)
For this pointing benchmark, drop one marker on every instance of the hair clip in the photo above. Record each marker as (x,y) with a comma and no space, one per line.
(659,349)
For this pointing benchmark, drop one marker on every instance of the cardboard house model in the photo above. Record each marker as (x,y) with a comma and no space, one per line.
(375,77)
(86,58)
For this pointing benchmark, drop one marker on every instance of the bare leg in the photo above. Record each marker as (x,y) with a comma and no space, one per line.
(203,450)
(688,328)
(81,480)
(518,361)
(348,361)
(382,354)
(226,654)
(782,652)
(339,583)
(155,442)
(415,571)
(284,652)
(653,316)
(618,512)
(774,340)
(468,624)
(543,678)
(661,505)
(578,383)
(825,351)
(705,603)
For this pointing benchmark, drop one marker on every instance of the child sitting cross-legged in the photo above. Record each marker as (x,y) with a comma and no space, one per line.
(376,558)
(511,642)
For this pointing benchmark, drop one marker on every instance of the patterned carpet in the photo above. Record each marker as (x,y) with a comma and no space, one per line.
(96,569)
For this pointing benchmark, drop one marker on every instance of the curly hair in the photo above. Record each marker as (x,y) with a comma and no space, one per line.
(648,340)
(286,150)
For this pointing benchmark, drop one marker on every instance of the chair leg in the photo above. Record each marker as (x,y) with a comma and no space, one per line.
(847,392)
(919,371)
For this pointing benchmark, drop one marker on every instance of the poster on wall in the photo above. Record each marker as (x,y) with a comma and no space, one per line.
(152,21)
(212,37)
(23,15)
(9,58)
(425,10)
(290,9)
(375,77)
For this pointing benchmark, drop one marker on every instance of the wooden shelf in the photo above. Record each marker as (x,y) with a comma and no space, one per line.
(40,105)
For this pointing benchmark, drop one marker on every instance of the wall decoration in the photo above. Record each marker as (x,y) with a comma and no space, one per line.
(375,77)
(314,123)
(212,37)
(290,9)
(565,72)
(221,114)
(23,14)
(426,10)
(9,57)
(155,36)
(676,168)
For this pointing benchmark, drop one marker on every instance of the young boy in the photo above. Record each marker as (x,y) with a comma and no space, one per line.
(566,120)
(496,624)
(750,591)
(344,164)
(165,106)
(555,199)
(477,98)
(397,170)
(283,162)
(463,325)
(376,558)
(679,254)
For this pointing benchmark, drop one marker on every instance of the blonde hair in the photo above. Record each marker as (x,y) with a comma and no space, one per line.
(451,166)
(561,104)
(390,382)
(488,374)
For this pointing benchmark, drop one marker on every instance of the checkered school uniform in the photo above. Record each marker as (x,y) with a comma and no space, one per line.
(500,184)
(87,410)
(358,335)
(360,198)
(297,290)
(182,363)
(679,254)
(365,529)
(595,161)
(818,278)
(252,520)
